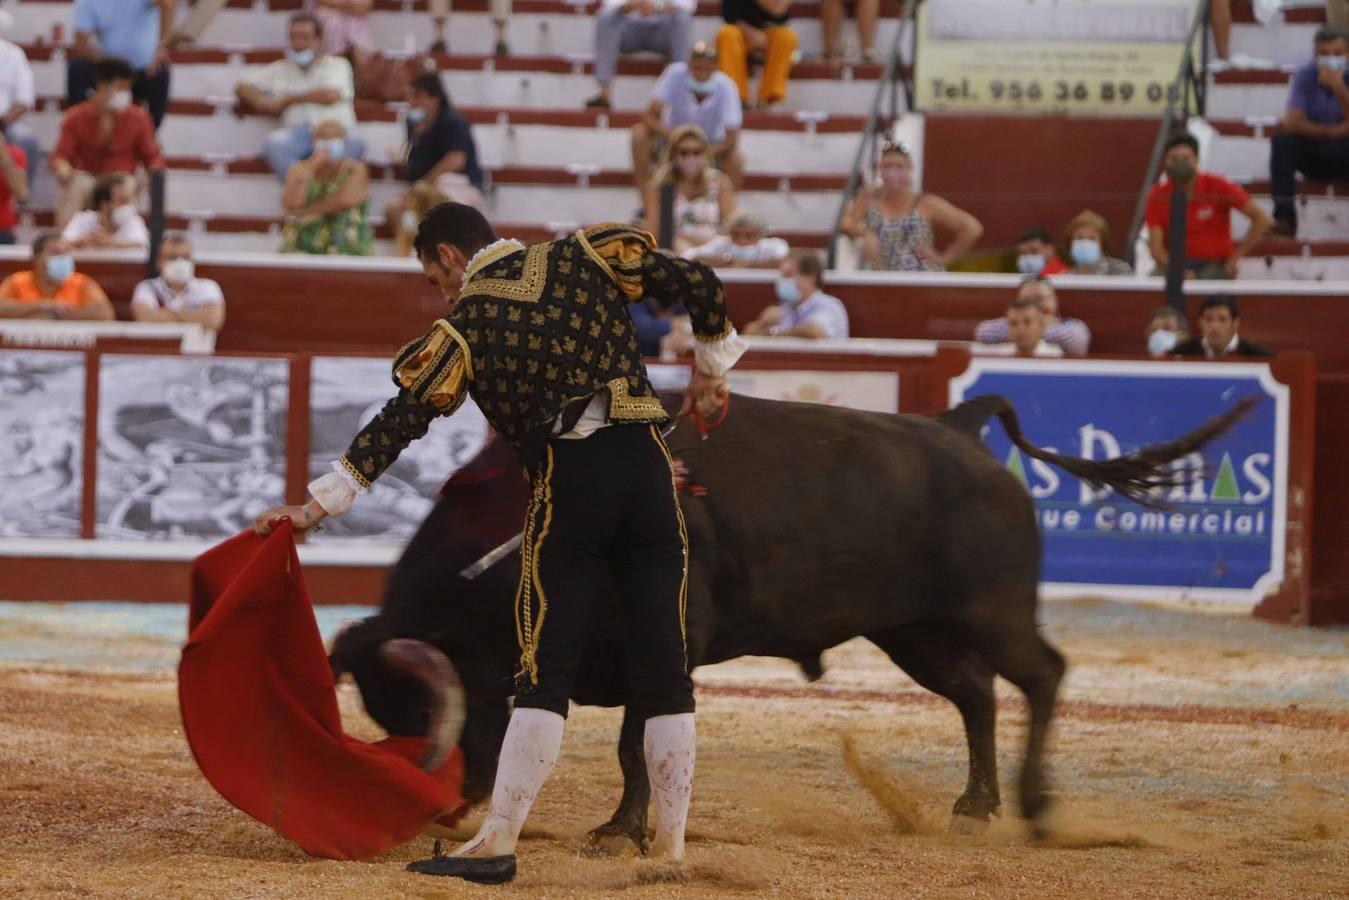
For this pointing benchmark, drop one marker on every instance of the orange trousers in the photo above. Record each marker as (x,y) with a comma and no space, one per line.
(732,49)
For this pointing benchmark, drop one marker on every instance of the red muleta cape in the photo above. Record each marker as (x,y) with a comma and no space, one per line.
(260,712)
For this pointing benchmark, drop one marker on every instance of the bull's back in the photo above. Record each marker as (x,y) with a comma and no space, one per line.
(823,523)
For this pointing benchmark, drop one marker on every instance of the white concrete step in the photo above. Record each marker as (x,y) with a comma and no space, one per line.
(543,90)
(1283,44)
(1238,101)
(498,145)
(546,34)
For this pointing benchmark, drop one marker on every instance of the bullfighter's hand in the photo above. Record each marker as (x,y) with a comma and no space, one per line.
(302,518)
(705,392)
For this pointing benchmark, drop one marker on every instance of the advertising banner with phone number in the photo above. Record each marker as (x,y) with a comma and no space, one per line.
(1073,57)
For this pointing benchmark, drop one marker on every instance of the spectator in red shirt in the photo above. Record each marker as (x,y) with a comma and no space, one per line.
(13,186)
(1036,256)
(104,134)
(1209,249)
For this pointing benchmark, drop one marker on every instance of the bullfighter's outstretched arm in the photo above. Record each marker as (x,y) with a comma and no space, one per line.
(641,270)
(432,375)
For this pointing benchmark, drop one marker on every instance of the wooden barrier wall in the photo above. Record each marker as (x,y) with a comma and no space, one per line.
(347,310)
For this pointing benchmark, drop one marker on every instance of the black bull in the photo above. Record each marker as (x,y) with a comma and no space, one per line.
(818,525)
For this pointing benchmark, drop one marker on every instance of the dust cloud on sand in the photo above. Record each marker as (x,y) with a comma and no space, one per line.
(1194,756)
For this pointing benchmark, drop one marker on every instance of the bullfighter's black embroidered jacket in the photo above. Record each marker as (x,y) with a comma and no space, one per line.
(539,331)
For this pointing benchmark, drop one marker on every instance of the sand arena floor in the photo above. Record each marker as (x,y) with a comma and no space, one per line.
(1194,756)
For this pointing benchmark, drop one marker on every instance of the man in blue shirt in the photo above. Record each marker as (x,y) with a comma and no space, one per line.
(692,93)
(1314,139)
(136,31)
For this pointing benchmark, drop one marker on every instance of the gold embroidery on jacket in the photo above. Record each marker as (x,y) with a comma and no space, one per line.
(622,405)
(528,288)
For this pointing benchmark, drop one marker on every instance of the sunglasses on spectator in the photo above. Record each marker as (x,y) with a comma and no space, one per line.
(690,152)
(895,147)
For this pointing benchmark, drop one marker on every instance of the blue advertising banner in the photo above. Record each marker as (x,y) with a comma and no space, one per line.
(1220,537)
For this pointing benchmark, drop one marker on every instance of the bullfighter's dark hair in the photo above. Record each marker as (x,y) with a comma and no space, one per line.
(1182,139)
(110,68)
(1213,301)
(307,17)
(456,224)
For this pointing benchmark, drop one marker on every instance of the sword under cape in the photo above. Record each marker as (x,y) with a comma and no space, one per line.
(499,553)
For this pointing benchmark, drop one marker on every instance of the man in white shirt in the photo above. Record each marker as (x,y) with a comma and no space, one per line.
(639,26)
(17,97)
(803,310)
(692,93)
(305,88)
(177,295)
(111,222)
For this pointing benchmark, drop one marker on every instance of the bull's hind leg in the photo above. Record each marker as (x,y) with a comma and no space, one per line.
(1019,654)
(625,832)
(938,658)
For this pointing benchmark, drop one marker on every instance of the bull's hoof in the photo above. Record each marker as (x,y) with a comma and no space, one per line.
(968,826)
(607,841)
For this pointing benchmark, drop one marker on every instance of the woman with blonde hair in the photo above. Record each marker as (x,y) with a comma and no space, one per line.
(703,196)
(1088,241)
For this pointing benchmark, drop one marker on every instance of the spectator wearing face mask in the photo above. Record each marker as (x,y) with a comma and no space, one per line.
(325,199)
(692,93)
(803,309)
(137,32)
(639,26)
(1218,323)
(441,162)
(1314,139)
(895,223)
(52,289)
(703,197)
(1088,240)
(1165,330)
(178,295)
(302,90)
(102,135)
(745,245)
(1209,249)
(1070,335)
(1036,256)
(111,222)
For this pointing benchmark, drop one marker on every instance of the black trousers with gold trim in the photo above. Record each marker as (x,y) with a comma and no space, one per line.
(604,511)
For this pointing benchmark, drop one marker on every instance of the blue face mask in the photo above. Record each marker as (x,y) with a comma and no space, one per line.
(1161,342)
(60,267)
(700,87)
(1030,263)
(1086,252)
(302,58)
(787,290)
(1333,63)
(416,115)
(336,147)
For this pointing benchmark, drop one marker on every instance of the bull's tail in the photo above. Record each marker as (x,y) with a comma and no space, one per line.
(1135,475)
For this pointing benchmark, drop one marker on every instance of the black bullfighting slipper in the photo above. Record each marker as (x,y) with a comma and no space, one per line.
(477,869)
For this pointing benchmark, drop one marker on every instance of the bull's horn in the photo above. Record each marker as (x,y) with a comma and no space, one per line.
(429,665)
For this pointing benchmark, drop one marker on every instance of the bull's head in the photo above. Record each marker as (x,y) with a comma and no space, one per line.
(445,692)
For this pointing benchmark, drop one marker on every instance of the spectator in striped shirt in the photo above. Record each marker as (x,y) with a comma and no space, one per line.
(1071,335)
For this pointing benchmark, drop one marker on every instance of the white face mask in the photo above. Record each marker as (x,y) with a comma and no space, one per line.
(1333,63)
(119,101)
(123,214)
(178,271)
(1162,341)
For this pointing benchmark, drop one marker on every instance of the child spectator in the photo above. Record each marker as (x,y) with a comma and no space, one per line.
(111,222)
(137,32)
